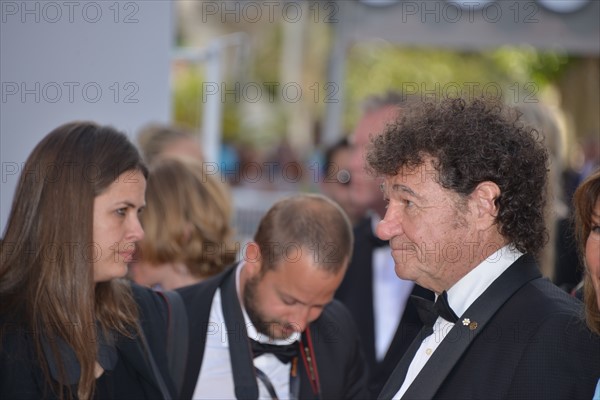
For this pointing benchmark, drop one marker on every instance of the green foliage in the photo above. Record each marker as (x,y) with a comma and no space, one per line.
(187,91)
(543,67)
(188,104)
(514,74)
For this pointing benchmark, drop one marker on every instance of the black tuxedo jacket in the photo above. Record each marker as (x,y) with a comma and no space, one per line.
(21,376)
(356,292)
(524,339)
(339,359)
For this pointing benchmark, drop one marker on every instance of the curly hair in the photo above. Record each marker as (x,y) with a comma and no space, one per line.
(472,142)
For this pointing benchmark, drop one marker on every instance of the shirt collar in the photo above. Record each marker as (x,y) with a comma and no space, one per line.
(464,292)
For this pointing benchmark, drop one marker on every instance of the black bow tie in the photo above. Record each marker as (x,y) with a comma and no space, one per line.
(430,311)
(285,353)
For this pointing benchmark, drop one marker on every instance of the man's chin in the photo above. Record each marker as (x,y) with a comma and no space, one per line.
(403,272)
(280,332)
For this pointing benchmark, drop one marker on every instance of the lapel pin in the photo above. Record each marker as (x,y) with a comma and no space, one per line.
(472,325)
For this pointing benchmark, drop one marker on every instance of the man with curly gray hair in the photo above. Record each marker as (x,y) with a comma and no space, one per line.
(465,183)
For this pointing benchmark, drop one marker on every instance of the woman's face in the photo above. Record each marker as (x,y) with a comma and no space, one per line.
(592,250)
(117,226)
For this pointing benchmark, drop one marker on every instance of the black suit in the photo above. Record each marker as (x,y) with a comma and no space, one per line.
(21,377)
(529,343)
(356,292)
(340,362)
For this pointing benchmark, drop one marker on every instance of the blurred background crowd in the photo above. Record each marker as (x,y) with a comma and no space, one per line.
(278,88)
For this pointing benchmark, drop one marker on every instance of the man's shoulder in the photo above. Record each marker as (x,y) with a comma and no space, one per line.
(553,298)
(544,305)
(534,296)
(335,320)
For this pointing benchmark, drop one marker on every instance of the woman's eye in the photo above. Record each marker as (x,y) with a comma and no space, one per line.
(121,211)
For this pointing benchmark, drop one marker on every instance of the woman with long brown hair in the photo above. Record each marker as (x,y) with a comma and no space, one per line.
(70,327)
(587,230)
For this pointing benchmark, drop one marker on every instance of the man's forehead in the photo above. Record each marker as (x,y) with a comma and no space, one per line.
(410,174)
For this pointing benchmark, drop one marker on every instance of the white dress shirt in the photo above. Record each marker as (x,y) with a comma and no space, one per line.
(390,295)
(215,380)
(460,297)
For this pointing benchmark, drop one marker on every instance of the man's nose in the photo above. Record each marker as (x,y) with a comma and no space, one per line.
(389,226)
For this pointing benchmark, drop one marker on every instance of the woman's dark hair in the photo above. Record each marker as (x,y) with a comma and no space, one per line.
(46,267)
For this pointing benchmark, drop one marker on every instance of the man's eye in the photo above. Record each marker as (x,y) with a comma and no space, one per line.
(289,302)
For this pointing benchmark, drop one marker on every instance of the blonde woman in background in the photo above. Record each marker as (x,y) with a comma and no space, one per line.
(187,225)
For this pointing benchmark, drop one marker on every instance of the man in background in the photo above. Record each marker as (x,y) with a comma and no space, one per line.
(379,302)
(335,182)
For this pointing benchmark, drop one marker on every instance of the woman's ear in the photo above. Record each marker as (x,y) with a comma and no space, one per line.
(484,197)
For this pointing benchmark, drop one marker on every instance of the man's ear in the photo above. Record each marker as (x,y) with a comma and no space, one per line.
(484,197)
(253,259)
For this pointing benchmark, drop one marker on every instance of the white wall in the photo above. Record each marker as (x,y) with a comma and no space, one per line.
(106,61)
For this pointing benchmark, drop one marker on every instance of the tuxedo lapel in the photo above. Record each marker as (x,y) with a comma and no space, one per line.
(242,366)
(395,380)
(198,301)
(408,328)
(469,326)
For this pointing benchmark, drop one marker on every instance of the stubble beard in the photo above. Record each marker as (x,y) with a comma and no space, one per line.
(256,317)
